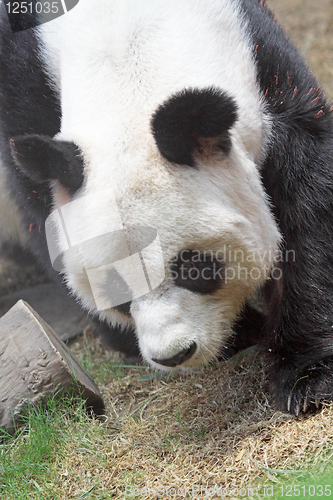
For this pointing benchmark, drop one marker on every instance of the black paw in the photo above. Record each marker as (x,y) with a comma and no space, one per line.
(303,391)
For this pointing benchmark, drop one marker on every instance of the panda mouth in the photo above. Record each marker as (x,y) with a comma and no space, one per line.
(178,359)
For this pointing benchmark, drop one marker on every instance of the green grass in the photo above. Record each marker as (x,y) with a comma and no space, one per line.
(314,482)
(26,460)
(306,487)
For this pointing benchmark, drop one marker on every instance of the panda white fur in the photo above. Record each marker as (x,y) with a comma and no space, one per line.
(198,121)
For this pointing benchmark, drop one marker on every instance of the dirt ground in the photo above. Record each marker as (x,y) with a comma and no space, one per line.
(309,23)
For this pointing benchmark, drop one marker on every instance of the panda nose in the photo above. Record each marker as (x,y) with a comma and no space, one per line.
(179,358)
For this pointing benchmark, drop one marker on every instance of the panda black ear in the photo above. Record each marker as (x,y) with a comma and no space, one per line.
(194,122)
(43,159)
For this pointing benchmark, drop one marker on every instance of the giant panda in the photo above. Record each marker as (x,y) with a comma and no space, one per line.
(188,142)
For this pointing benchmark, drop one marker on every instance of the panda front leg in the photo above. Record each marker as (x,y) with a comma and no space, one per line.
(304,390)
(299,337)
(12,234)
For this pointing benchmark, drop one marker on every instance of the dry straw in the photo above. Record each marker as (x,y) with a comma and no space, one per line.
(214,428)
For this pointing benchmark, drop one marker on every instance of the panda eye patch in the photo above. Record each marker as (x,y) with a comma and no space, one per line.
(194,122)
(115,288)
(199,272)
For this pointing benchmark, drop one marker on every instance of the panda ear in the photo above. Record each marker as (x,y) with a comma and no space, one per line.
(193,123)
(44,159)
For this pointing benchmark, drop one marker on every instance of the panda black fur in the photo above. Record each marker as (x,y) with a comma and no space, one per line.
(295,163)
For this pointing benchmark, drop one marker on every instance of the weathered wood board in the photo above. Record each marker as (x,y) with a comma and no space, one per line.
(34,363)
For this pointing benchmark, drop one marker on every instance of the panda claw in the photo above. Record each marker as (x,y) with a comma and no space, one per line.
(304,392)
(305,405)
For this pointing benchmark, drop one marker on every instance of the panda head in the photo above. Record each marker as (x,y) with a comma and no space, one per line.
(165,227)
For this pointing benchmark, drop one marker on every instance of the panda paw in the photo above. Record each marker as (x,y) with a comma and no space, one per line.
(305,391)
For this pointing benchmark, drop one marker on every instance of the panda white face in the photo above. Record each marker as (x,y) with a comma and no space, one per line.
(217,240)
(171,131)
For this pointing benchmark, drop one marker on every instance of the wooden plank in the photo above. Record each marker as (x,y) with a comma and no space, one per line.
(34,363)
